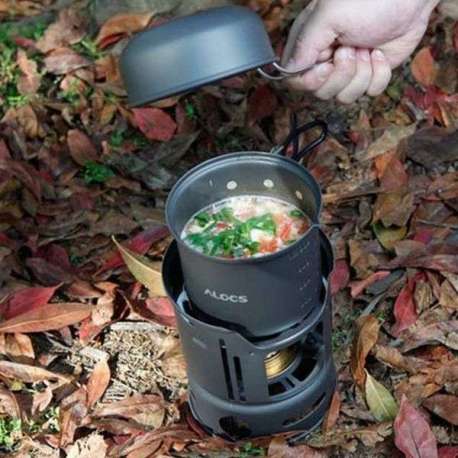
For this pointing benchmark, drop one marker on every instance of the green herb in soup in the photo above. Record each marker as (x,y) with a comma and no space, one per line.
(245,226)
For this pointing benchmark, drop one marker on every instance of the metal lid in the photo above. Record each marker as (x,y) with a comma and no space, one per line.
(193,51)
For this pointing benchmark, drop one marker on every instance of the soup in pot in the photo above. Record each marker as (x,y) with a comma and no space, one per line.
(245,226)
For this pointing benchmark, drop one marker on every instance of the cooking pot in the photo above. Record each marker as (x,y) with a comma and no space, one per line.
(288,283)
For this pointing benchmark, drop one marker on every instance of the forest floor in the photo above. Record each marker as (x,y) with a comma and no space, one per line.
(90,361)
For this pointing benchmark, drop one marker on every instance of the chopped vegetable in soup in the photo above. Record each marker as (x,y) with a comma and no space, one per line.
(245,226)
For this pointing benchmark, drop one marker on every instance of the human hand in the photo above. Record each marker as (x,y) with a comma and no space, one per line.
(365,39)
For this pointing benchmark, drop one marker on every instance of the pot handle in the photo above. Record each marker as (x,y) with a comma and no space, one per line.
(293,138)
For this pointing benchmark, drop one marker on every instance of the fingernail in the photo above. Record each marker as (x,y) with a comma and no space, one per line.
(323,70)
(348,53)
(378,55)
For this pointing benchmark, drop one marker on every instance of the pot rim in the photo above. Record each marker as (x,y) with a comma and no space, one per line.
(200,168)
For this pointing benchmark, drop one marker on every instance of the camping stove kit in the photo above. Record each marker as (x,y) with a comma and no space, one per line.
(255,332)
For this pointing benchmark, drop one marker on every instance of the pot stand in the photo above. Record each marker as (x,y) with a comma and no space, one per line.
(235,391)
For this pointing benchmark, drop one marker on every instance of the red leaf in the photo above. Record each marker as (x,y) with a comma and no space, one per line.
(139,244)
(261,104)
(448,452)
(413,435)
(155,123)
(28,299)
(424,68)
(98,382)
(357,287)
(81,147)
(404,308)
(339,276)
(162,309)
(47,318)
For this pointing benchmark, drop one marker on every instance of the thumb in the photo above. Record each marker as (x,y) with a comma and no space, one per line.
(309,40)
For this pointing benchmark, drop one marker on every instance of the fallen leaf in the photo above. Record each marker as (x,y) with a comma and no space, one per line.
(394,208)
(41,400)
(444,332)
(357,287)
(413,435)
(145,409)
(448,452)
(72,411)
(339,276)
(8,404)
(405,311)
(27,299)
(380,401)
(81,147)
(261,104)
(29,374)
(92,446)
(29,81)
(155,123)
(365,338)
(18,346)
(444,406)
(279,448)
(98,382)
(143,270)
(120,25)
(162,311)
(391,171)
(388,141)
(64,60)
(332,414)
(424,67)
(369,436)
(448,295)
(139,244)
(47,318)
(433,146)
(67,30)
(389,236)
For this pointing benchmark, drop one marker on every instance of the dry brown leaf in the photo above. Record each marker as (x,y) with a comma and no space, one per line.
(8,404)
(81,147)
(47,318)
(146,410)
(332,414)
(122,24)
(67,30)
(29,374)
(64,60)
(98,382)
(366,337)
(143,270)
(29,81)
(424,67)
(445,406)
(279,448)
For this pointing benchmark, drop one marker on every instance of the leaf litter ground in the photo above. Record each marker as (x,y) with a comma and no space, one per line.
(90,359)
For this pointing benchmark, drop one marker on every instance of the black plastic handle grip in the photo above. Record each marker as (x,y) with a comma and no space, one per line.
(296,132)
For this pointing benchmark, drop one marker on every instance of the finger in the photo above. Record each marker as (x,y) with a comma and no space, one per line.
(344,71)
(295,32)
(381,73)
(305,46)
(362,79)
(325,55)
(313,79)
